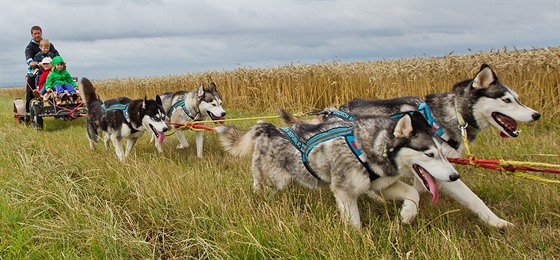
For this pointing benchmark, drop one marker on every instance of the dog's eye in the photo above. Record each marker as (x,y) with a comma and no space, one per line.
(506,100)
(431,155)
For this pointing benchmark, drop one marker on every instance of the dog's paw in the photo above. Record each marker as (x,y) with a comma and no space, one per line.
(408,213)
(180,146)
(500,223)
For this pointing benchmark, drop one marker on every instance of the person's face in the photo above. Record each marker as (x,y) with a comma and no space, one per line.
(46,65)
(37,35)
(59,66)
(44,49)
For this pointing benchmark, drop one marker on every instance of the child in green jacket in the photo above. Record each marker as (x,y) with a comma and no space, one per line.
(61,81)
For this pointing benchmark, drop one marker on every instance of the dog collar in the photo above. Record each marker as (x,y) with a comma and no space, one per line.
(305,147)
(425,110)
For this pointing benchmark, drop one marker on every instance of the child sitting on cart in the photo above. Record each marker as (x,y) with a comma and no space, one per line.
(61,82)
(47,68)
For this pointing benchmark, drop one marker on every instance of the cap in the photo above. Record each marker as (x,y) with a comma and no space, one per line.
(46,60)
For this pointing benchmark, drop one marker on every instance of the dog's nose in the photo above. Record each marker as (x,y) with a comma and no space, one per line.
(164,129)
(223,114)
(536,116)
(454,177)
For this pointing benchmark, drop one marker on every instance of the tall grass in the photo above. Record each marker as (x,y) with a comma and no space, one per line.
(59,199)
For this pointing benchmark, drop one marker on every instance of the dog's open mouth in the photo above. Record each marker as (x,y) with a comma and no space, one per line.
(160,136)
(507,123)
(216,119)
(427,180)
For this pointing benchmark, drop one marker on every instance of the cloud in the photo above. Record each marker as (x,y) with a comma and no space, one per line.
(119,39)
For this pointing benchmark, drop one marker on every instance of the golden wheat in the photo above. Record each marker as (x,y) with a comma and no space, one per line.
(534,74)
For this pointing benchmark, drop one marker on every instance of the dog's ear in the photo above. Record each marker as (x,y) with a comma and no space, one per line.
(213,87)
(200,91)
(158,100)
(404,127)
(419,121)
(484,78)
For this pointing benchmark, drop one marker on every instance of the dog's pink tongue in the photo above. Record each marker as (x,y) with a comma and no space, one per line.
(161,137)
(504,135)
(433,187)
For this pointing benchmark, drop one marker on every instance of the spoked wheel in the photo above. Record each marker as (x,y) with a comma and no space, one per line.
(36,118)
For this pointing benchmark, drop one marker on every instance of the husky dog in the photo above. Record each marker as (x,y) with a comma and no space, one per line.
(355,158)
(473,106)
(123,118)
(95,121)
(187,106)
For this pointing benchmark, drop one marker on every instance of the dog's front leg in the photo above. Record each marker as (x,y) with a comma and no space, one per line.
(129,144)
(106,140)
(460,192)
(402,191)
(183,143)
(118,146)
(348,207)
(199,137)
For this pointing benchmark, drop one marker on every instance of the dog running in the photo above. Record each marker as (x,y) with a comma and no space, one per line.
(198,104)
(122,118)
(473,105)
(363,157)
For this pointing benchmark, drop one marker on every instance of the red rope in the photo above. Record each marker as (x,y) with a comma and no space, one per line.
(72,111)
(193,125)
(492,164)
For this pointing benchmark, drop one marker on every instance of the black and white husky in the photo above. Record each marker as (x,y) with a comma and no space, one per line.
(474,105)
(198,104)
(122,118)
(363,157)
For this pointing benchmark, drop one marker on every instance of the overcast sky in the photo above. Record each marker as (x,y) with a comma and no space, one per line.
(120,39)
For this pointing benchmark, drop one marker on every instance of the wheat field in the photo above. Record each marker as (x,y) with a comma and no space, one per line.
(59,199)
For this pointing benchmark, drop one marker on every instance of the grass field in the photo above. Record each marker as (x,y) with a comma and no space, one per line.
(59,199)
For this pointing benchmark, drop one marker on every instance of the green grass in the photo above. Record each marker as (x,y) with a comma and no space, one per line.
(59,199)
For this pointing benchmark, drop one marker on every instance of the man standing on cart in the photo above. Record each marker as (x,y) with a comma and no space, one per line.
(30,51)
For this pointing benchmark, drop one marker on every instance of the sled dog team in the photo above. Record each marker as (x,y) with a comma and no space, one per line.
(360,148)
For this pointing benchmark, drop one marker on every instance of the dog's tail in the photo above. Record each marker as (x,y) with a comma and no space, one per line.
(235,141)
(88,91)
(289,119)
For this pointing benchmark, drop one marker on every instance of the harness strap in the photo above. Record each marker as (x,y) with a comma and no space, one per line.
(305,147)
(425,110)
(118,107)
(181,103)
(340,114)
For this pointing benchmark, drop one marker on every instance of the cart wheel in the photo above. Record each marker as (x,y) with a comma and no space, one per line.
(36,118)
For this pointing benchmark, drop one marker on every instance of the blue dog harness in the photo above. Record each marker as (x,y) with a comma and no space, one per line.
(425,110)
(181,103)
(117,107)
(340,114)
(305,147)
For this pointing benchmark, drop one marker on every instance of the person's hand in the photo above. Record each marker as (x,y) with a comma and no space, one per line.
(33,64)
(49,90)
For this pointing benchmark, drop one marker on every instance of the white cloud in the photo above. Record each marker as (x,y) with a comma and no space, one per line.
(110,39)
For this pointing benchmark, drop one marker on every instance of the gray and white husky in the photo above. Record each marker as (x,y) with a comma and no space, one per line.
(187,106)
(122,118)
(474,105)
(363,157)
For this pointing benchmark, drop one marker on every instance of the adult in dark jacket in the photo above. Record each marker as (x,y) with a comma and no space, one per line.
(30,51)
